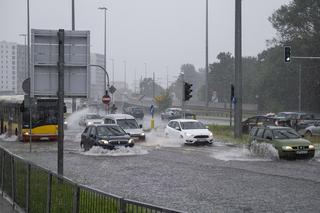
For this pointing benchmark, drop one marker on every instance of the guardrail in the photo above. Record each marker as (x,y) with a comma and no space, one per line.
(32,188)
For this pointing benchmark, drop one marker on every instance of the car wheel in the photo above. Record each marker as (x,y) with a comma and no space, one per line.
(86,146)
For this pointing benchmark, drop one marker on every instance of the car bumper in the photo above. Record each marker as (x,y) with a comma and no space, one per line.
(199,141)
(299,154)
(112,147)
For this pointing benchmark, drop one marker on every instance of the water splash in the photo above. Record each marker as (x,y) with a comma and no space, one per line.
(157,138)
(121,151)
(5,137)
(264,150)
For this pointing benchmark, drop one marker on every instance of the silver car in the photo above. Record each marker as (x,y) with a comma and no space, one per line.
(312,130)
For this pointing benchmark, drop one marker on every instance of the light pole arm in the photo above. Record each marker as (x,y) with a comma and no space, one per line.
(96,65)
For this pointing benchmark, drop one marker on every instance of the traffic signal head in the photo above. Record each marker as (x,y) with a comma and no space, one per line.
(287,54)
(232,91)
(187,91)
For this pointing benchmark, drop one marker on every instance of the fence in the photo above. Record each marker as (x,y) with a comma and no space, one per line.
(38,190)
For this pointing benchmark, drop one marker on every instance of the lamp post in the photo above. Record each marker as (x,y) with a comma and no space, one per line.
(207,60)
(105,42)
(145,70)
(125,74)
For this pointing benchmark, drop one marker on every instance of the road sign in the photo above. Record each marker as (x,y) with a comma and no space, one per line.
(112,89)
(106,99)
(26,85)
(44,58)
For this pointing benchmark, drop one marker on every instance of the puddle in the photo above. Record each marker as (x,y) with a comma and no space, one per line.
(122,151)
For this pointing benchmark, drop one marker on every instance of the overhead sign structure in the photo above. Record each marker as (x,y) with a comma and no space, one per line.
(44,59)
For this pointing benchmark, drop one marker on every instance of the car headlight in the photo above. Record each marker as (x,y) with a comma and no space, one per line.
(103,141)
(188,134)
(287,148)
(131,141)
(65,123)
(311,146)
(210,134)
(26,133)
(89,123)
(142,134)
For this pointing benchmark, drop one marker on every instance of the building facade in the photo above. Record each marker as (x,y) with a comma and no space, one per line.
(22,72)
(8,68)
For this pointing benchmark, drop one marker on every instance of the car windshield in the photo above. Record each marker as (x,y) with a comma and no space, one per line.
(94,116)
(192,125)
(110,131)
(285,134)
(128,123)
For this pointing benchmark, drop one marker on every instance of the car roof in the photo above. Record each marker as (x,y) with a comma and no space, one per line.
(119,116)
(97,125)
(174,109)
(274,127)
(185,120)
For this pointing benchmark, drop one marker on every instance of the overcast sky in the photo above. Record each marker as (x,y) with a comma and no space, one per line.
(160,33)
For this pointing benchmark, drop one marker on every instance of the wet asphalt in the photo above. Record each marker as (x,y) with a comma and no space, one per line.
(218,178)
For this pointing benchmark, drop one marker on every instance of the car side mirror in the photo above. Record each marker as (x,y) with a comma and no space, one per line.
(128,134)
(302,136)
(92,136)
(140,125)
(177,128)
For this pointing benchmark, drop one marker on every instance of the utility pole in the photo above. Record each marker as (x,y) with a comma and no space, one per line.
(153,86)
(74,100)
(31,95)
(125,74)
(238,71)
(207,60)
(300,87)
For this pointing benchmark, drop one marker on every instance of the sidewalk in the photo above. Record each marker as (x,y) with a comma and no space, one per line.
(5,206)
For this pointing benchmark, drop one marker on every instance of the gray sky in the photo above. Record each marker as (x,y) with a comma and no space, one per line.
(157,32)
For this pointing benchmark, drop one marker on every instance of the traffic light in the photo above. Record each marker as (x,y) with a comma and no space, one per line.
(287,54)
(232,92)
(187,91)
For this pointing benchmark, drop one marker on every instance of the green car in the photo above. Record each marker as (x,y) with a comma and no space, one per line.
(284,139)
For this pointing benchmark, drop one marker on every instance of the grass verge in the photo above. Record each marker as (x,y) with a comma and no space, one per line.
(225,134)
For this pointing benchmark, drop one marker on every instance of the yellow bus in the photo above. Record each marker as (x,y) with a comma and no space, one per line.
(14,118)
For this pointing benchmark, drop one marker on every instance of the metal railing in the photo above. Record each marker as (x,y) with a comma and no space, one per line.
(34,189)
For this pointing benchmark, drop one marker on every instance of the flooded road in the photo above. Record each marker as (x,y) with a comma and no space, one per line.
(163,171)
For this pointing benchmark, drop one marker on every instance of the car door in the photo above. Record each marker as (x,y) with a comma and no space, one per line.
(267,136)
(84,135)
(316,129)
(259,135)
(92,136)
(176,130)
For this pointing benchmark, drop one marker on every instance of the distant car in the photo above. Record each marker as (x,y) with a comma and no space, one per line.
(109,136)
(285,140)
(296,120)
(128,123)
(171,113)
(136,112)
(312,130)
(191,131)
(90,118)
(257,120)
(176,113)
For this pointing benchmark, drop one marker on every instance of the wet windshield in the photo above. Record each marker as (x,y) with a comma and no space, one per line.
(128,123)
(285,134)
(110,131)
(192,125)
(93,116)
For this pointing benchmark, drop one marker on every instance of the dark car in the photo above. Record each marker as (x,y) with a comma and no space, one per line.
(108,136)
(136,112)
(257,120)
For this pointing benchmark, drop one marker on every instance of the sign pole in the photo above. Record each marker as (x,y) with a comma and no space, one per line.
(60,100)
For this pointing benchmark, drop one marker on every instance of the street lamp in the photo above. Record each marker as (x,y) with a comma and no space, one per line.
(105,41)
(125,74)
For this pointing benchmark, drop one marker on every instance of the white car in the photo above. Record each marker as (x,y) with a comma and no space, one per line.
(90,119)
(191,131)
(128,123)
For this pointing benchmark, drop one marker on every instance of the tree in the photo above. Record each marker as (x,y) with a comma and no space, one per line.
(146,88)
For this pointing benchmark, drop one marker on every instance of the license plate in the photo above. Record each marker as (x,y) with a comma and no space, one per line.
(302,152)
(44,138)
(202,140)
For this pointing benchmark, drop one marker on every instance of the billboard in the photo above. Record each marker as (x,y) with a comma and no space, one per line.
(44,59)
